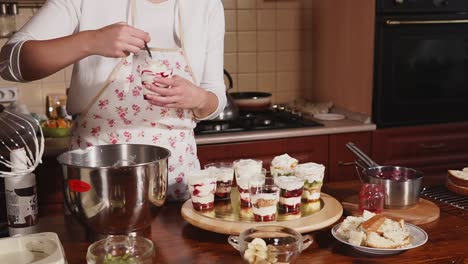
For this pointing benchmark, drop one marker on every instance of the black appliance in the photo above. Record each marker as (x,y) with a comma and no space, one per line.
(278,117)
(421,62)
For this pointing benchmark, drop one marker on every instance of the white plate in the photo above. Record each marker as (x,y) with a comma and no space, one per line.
(329,117)
(418,238)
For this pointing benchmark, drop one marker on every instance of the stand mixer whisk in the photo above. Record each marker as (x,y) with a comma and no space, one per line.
(19,132)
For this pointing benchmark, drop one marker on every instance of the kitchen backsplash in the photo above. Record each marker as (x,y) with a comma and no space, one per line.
(267,48)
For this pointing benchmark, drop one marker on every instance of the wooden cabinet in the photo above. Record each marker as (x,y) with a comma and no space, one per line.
(341,160)
(432,149)
(305,149)
(329,150)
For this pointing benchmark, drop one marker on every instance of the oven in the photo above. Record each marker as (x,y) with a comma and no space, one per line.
(421,62)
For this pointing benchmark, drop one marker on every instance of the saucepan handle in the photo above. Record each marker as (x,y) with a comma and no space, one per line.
(307,240)
(234,241)
(366,160)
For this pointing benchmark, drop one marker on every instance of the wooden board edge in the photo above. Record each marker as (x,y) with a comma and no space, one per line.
(330,213)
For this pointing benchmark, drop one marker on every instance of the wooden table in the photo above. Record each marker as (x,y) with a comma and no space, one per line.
(176,241)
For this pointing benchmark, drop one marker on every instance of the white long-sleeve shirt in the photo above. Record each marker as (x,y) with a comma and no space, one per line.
(203,30)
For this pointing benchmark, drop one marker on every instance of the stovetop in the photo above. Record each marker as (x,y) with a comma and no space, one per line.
(270,119)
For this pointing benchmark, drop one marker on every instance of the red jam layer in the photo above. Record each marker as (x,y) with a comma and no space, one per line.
(289,209)
(264,218)
(203,207)
(293,193)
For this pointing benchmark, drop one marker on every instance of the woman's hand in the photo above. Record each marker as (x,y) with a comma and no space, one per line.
(182,93)
(117,40)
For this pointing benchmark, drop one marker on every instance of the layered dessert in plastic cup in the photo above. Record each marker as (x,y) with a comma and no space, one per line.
(224,173)
(283,165)
(202,187)
(291,189)
(312,174)
(154,69)
(245,169)
(264,198)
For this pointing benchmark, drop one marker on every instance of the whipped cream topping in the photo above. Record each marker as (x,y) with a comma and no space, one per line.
(284,161)
(289,183)
(222,174)
(310,171)
(247,167)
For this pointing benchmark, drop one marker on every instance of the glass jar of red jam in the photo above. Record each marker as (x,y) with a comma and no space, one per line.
(371,198)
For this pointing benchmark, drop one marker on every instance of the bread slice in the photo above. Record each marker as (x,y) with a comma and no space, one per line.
(458,177)
(357,238)
(351,223)
(367,215)
(376,241)
(395,231)
(373,224)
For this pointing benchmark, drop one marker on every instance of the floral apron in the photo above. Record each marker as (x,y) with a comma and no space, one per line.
(118,114)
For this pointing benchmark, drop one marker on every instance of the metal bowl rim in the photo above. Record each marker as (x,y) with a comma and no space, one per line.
(60,158)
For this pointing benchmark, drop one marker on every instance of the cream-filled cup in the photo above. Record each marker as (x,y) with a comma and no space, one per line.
(202,186)
(312,174)
(154,69)
(283,165)
(245,169)
(291,189)
(224,173)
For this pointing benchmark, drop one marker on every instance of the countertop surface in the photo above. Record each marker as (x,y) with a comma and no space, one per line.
(329,127)
(176,241)
(55,146)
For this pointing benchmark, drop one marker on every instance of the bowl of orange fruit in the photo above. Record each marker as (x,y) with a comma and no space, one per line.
(59,127)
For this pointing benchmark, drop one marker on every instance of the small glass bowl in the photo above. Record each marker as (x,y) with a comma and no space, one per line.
(283,245)
(121,249)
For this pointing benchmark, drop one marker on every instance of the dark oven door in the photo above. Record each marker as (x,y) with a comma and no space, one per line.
(421,69)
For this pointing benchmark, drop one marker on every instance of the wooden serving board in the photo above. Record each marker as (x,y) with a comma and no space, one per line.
(458,189)
(424,212)
(330,212)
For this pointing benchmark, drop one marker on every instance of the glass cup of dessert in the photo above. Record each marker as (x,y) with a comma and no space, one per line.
(202,186)
(264,198)
(291,189)
(154,69)
(283,165)
(224,173)
(244,169)
(312,174)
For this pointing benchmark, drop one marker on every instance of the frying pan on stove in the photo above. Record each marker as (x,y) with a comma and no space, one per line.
(252,101)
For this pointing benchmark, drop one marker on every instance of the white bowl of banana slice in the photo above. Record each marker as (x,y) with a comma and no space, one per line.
(270,244)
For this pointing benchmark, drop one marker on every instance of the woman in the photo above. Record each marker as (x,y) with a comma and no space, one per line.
(106,94)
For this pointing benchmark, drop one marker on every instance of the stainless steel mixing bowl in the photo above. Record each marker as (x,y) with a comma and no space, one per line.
(110,188)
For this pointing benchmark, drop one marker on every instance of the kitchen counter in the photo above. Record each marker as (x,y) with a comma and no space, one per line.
(329,127)
(176,241)
(55,146)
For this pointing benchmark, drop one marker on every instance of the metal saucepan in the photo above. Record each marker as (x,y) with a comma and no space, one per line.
(110,188)
(401,185)
(252,101)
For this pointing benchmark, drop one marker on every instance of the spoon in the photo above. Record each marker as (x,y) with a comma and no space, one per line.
(148,50)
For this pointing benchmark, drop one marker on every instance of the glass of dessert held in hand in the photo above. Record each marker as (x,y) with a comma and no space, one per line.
(154,69)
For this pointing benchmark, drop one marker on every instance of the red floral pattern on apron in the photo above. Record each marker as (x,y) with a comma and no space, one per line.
(120,115)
